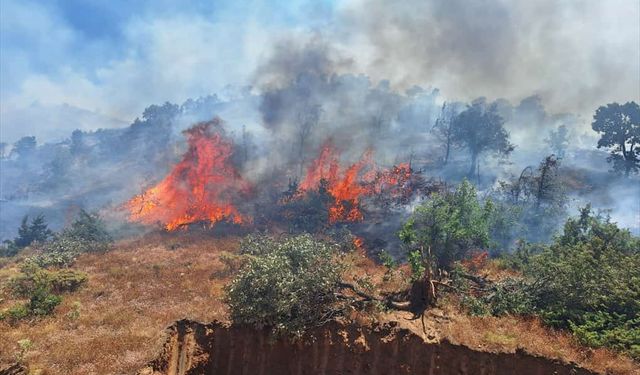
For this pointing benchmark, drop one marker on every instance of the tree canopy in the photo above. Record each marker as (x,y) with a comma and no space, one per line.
(449,224)
(619,126)
(480,129)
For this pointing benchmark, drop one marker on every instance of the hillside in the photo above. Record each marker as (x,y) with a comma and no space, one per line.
(115,323)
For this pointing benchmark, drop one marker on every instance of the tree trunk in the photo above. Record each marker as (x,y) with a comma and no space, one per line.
(472,168)
(446,156)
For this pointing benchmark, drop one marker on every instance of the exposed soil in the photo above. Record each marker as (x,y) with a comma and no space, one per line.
(215,348)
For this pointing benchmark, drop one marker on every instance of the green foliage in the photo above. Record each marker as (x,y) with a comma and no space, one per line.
(416,262)
(521,257)
(611,330)
(24,147)
(41,302)
(86,234)
(54,256)
(41,287)
(387,260)
(15,313)
(558,141)
(74,313)
(28,233)
(587,281)
(25,345)
(620,129)
(480,129)
(594,266)
(34,277)
(308,213)
(288,284)
(450,224)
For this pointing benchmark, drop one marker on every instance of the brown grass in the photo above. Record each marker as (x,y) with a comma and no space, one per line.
(142,286)
(132,294)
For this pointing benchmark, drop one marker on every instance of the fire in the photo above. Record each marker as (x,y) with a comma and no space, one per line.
(348,186)
(358,243)
(200,188)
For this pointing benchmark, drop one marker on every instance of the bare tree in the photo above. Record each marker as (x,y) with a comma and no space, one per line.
(307,120)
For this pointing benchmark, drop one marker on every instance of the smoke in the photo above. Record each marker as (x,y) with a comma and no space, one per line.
(306,100)
(375,78)
(575,54)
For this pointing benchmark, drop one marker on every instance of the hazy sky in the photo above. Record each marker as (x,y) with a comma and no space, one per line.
(115,57)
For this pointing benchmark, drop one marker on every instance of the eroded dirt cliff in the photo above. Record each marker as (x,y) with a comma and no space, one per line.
(197,348)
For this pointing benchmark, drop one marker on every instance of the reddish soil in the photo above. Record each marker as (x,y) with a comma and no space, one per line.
(215,348)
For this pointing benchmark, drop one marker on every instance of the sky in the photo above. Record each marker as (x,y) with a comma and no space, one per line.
(113,58)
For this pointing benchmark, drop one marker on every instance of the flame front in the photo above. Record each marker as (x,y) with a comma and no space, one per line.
(348,186)
(200,188)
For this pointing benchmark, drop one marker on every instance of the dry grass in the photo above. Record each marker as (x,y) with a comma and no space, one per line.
(133,293)
(143,285)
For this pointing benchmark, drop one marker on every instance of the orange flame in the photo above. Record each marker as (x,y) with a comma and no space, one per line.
(349,186)
(200,188)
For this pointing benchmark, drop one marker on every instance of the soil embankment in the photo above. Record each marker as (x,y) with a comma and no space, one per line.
(197,348)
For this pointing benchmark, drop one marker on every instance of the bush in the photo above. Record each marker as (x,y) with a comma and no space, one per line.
(34,278)
(587,281)
(86,234)
(448,224)
(287,284)
(41,302)
(611,330)
(15,313)
(54,258)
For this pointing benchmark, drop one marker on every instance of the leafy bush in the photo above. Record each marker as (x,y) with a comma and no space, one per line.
(86,234)
(54,258)
(591,280)
(287,284)
(34,278)
(15,313)
(448,224)
(587,281)
(41,302)
(306,213)
(611,330)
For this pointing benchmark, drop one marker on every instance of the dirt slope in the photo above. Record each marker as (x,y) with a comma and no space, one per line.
(197,348)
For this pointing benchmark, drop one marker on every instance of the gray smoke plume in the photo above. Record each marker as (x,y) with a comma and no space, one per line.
(575,54)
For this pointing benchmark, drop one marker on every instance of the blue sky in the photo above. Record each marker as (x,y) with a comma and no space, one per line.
(115,57)
(105,55)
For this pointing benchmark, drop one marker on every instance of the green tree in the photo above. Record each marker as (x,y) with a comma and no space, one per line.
(288,285)
(619,126)
(29,232)
(24,147)
(449,225)
(558,141)
(589,282)
(480,129)
(89,229)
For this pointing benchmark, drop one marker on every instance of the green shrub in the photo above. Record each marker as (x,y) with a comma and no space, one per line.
(33,278)
(587,281)
(450,225)
(15,313)
(287,284)
(612,330)
(86,234)
(43,302)
(54,258)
